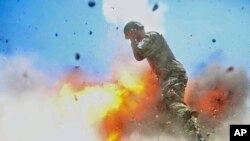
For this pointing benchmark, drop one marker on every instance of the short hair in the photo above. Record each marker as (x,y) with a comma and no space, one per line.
(132,25)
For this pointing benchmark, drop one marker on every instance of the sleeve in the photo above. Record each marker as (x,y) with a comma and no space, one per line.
(141,49)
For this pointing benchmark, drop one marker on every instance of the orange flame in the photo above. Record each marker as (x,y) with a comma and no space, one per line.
(134,104)
(112,104)
(211,103)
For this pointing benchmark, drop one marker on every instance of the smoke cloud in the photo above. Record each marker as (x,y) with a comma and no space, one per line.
(28,108)
(220,95)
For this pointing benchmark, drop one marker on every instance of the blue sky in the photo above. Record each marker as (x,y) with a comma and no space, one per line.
(29,28)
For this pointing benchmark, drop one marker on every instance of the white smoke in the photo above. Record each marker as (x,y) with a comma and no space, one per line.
(119,12)
(19,77)
(28,111)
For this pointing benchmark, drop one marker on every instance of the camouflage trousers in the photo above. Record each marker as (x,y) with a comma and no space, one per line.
(172,94)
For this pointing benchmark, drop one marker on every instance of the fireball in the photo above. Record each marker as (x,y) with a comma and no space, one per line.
(109,105)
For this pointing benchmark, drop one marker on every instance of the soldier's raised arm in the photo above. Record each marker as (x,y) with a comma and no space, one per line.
(140,48)
(135,32)
(138,52)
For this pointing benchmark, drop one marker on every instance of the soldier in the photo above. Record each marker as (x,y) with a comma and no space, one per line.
(170,73)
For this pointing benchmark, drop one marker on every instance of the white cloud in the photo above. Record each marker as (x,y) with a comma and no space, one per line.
(119,12)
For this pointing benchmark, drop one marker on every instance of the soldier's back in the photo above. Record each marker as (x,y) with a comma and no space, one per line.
(160,56)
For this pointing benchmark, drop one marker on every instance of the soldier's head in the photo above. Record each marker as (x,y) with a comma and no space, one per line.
(134,30)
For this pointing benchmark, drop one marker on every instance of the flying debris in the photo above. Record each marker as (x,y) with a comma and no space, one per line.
(77,67)
(230,69)
(56,34)
(91,3)
(155,7)
(213,40)
(77,56)
(75,97)
(90,32)
(25,75)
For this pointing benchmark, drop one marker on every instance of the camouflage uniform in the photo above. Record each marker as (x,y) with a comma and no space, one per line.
(172,79)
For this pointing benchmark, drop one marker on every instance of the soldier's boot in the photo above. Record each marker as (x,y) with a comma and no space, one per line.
(192,130)
(200,138)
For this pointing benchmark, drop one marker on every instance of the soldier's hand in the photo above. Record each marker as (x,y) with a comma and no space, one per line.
(133,33)
(133,36)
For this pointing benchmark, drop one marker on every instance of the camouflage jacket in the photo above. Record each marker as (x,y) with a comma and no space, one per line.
(160,57)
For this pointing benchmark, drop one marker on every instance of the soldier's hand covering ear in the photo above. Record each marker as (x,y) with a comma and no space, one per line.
(133,34)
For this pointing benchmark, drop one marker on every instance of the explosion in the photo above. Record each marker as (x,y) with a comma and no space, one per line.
(116,105)
(218,93)
(112,110)
(111,105)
